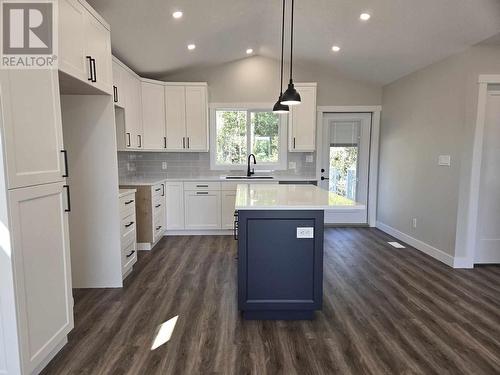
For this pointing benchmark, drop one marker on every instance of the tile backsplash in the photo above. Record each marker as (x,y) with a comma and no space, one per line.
(192,164)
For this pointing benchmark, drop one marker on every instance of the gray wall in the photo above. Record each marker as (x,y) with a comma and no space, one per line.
(256,79)
(426,114)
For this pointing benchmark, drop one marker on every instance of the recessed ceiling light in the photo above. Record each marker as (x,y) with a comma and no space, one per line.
(249,51)
(177,14)
(364,17)
(335,48)
(191,47)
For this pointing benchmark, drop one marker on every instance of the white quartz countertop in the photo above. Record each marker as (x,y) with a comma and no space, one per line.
(124,192)
(153,180)
(290,197)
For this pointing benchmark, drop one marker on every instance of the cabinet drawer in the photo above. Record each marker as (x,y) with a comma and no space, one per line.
(158,202)
(159,224)
(127,205)
(158,190)
(129,256)
(128,238)
(205,186)
(128,224)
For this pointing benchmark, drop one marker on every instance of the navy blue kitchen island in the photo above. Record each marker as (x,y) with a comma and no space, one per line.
(280,250)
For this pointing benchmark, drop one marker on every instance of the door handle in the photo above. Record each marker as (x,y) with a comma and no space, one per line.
(91,78)
(66,170)
(92,63)
(68,196)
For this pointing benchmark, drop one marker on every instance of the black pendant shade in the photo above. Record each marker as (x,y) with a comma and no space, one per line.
(278,107)
(291,96)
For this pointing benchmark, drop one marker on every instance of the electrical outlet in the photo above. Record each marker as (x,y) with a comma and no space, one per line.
(309,158)
(292,165)
(164,165)
(305,232)
(414,223)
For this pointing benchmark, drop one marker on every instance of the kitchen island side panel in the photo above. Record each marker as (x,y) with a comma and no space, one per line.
(279,273)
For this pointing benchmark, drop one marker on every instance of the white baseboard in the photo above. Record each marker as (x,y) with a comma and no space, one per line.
(144,246)
(462,262)
(440,255)
(50,356)
(211,232)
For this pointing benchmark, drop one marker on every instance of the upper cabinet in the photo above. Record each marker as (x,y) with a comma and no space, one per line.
(84,45)
(118,86)
(302,120)
(133,112)
(153,115)
(186,113)
(31,116)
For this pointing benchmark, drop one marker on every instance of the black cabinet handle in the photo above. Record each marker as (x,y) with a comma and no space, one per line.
(235,225)
(205,186)
(322,170)
(91,78)
(131,253)
(202,192)
(92,64)
(187,142)
(158,189)
(130,201)
(158,227)
(158,205)
(164,142)
(324,178)
(129,224)
(294,142)
(66,170)
(163,192)
(140,140)
(115,95)
(68,196)
(183,142)
(128,139)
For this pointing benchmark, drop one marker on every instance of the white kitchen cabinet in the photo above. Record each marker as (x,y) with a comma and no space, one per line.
(133,112)
(227,207)
(32,127)
(202,209)
(72,18)
(118,85)
(85,45)
(196,118)
(175,117)
(302,120)
(153,115)
(41,257)
(174,208)
(186,117)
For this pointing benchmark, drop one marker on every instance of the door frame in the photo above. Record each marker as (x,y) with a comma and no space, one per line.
(468,216)
(374,150)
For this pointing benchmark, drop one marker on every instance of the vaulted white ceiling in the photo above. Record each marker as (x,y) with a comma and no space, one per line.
(401,37)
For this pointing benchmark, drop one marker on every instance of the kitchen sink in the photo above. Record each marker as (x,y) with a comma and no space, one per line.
(249,178)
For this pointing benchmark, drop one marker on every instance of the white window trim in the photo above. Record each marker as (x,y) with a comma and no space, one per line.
(283,140)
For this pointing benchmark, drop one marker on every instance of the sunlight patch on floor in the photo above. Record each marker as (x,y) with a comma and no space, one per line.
(164,332)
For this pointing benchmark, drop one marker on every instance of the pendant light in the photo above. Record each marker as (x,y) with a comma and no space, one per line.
(291,96)
(278,107)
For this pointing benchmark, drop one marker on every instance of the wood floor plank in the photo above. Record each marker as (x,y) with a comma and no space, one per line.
(385,311)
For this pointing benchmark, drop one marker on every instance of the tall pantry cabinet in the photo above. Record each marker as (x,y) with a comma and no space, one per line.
(35,290)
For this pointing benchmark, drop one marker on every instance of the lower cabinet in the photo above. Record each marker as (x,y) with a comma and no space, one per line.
(128,231)
(202,209)
(174,207)
(41,257)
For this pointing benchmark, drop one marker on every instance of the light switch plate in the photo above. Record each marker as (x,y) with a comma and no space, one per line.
(292,165)
(305,232)
(309,158)
(164,165)
(444,160)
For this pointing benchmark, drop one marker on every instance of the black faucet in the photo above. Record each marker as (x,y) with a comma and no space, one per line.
(250,172)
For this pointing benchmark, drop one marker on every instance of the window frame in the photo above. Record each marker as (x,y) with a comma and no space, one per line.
(248,108)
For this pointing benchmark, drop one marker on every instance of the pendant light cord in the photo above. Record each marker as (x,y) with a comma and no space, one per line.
(282,46)
(291,42)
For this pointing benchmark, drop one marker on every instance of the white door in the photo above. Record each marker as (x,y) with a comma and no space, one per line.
(153,116)
(31,115)
(202,210)
(118,94)
(42,267)
(98,47)
(175,117)
(228,202)
(133,115)
(72,39)
(488,232)
(345,163)
(196,118)
(302,134)
(174,207)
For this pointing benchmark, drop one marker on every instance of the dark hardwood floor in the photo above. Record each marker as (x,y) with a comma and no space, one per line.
(385,311)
